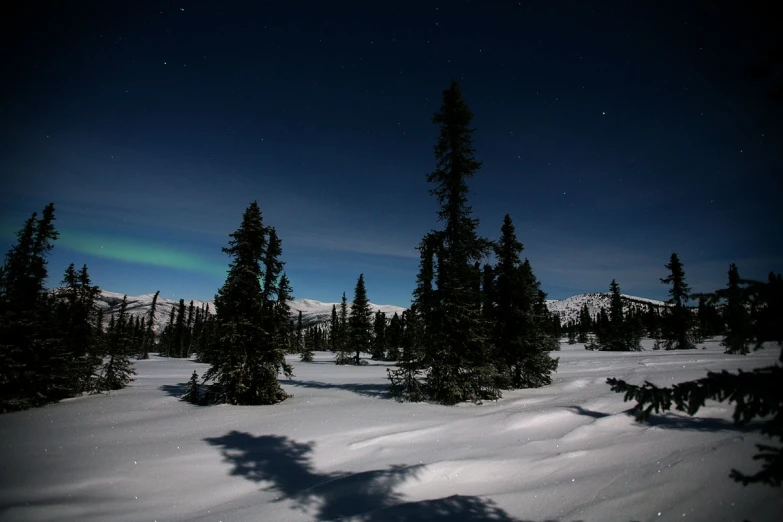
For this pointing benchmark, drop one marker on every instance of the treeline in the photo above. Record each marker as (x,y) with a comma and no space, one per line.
(674,325)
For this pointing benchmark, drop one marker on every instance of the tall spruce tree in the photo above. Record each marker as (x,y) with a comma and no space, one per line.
(341,354)
(736,316)
(247,361)
(299,333)
(457,354)
(149,336)
(117,371)
(77,303)
(585,324)
(178,337)
(168,333)
(282,326)
(379,336)
(521,334)
(359,323)
(679,321)
(187,341)
(334,327)
(394,338)
(405,382)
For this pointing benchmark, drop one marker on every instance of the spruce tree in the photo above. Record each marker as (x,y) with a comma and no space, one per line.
(187,338)
(77,322)
(405,381)
(247,359)
(32,360)
(178,348)
(334,329)
(149,335)
(585,324)
(394,338)
(342,355)
(299,337)
(273,265)
(117,371)
(282,310)
(679,321)
(736,316)
(457,354)
(379,336)
(309,345)
(168,333)
(521,337)
(359,323)
(193,391)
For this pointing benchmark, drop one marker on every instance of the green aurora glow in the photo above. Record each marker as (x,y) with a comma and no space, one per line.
(140,252)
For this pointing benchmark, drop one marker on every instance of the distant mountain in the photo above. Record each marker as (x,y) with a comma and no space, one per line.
(568,309)
(317,312)
(312,311)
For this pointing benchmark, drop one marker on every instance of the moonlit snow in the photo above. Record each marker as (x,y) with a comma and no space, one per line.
(341,449)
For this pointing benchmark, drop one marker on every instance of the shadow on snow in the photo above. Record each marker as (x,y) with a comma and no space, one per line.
(378,391)
(175,390)
(677,421)
(364,496)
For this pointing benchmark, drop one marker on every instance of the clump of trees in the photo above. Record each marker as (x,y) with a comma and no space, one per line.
(52,343)
(617,332)
(477,330)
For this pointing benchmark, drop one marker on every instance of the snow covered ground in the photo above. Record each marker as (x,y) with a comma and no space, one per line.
(341,449)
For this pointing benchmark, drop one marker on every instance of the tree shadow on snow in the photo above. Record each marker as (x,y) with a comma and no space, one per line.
(377,391)
(175,390)
(676,421)
(368,496)
(588,413)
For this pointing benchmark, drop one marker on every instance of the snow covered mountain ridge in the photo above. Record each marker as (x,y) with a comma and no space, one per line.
(568,309)
(314,312)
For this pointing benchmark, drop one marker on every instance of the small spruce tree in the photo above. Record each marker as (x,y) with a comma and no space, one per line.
(193,391)
(736,315)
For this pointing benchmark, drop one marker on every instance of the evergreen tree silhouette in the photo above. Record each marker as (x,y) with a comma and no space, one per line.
(456,353)
(679,320)
(359,323)
(247,360)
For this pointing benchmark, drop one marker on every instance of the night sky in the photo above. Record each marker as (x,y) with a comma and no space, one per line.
(614,133)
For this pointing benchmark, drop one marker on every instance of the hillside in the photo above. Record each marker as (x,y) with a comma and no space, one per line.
(568,309)
(312,311)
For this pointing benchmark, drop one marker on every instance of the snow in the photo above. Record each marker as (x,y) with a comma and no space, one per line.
(342,449)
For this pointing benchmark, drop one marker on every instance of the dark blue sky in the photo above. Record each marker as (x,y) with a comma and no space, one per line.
(614,133)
